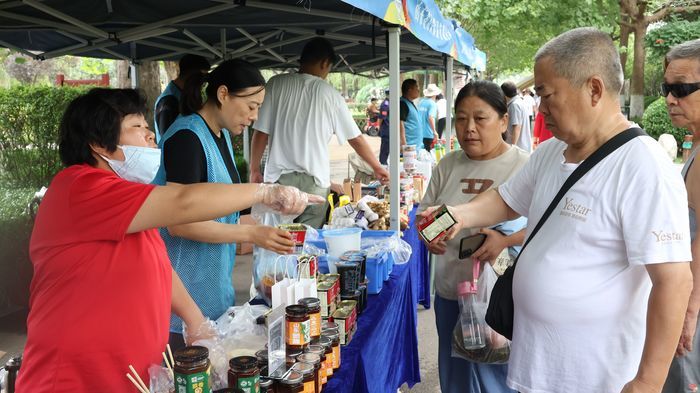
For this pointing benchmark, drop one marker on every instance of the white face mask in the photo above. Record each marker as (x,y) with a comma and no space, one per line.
(140,164)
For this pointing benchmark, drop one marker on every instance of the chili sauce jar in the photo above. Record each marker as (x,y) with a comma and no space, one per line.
(192,369)
(297,327)
(314,309)
(244,374)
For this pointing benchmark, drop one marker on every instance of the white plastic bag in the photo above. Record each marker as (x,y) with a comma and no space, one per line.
(497,349)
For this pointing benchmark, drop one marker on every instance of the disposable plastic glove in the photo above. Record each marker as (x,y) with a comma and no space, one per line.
(285,200)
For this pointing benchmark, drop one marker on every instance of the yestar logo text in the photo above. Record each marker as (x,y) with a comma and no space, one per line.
(665,237)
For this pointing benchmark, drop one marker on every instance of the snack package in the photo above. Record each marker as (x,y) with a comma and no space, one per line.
(436,225)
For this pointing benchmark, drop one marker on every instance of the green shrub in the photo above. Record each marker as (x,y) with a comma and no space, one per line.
(656,122)
(29,120)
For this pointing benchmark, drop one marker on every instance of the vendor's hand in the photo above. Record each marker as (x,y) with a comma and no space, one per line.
(493,246)
(205,329)
(273,239)
(685,344)
(284,199)
(637,386)
(437,247)
(256,176)
(381,174)
(452,232)
(337,188)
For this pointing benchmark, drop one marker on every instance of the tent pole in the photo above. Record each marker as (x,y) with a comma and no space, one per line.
(395,137)
(450,100)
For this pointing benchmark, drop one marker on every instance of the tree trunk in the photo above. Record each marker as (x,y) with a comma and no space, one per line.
(637,87)
(149,83)
(122,81)
(171,69)
(624,41)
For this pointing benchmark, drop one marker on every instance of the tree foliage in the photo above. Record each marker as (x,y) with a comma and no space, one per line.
(511,31)
(660,40)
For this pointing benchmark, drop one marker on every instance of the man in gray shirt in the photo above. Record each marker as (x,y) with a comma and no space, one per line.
(518,132)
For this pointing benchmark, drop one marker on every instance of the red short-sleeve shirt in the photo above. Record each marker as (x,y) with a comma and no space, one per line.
(100,298)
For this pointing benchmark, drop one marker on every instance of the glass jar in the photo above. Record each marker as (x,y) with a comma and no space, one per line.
(327,345)
(314,307)
(321,352)
(267,385)
(335,344)
(262,358)
(244,374)
(330,326)
(315,361)
(292,356)
(292,383)
(297,327)
(192,368)
(307,372)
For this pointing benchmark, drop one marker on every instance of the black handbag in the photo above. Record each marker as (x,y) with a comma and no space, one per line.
(499,315)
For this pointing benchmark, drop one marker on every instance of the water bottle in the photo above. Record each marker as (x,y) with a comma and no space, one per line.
(473,330)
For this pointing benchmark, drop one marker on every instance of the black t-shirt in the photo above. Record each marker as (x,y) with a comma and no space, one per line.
(167,110)
(403,110)
(184,158)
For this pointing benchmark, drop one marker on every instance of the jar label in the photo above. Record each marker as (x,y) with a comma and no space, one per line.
(309,387)
(329,365)
(315,324)
(336,356)
(249,384)
(193,383)
(298,333)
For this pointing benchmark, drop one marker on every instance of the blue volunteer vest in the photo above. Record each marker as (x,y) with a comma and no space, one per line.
(412,125)
(204,268)
(170,90)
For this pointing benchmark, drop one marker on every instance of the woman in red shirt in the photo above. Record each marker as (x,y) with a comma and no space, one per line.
(103,287)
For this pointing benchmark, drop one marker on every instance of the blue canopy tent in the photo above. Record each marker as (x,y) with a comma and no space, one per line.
(367,34)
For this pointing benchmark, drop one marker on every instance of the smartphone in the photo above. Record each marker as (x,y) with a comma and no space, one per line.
(469,244)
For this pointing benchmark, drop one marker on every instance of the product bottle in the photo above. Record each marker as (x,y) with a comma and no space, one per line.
(472,326)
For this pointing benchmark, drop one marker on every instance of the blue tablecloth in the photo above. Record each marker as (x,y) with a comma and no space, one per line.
(383,354)
(419,263)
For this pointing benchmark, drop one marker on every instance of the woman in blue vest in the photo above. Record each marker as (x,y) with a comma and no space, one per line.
(197,149)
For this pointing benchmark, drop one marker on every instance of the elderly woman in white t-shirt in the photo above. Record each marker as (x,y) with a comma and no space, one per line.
(484,162)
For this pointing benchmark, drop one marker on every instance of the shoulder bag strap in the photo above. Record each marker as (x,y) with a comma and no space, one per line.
(603,151)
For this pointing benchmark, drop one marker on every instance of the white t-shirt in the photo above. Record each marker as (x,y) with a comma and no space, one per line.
(456,180)
(517,115)
(580,288)
(441,108)
(300,114)
(529,105)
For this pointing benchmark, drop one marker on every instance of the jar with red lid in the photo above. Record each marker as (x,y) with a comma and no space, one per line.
(297,327)
(244,374)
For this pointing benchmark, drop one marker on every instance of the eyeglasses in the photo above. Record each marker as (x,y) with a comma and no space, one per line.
(679,90)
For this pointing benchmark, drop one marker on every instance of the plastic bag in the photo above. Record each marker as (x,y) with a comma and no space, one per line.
(497,349)
(160,379)
(3,379)
(238,335)
(399,248)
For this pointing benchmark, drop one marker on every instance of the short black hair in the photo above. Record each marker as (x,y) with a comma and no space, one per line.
(95,118)
(406,86)
(193,63)
(373,99)
(317,50)
(509,89)
(487,91)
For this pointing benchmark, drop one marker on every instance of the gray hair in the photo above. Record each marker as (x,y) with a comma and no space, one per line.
(580,53)
(687,50)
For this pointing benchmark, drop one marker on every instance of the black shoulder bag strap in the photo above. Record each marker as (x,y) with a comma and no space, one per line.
(500,310)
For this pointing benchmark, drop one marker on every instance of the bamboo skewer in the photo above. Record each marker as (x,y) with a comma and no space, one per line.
(143,385)
(167,364)
(170,353)
(136,383)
